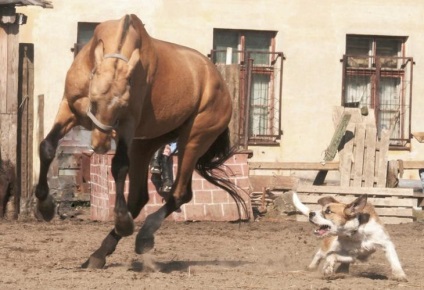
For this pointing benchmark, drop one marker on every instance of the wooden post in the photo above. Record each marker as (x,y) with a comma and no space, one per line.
(392,174)
(331,151)
(25,119)
(9,56)
(231,75)
(8,89)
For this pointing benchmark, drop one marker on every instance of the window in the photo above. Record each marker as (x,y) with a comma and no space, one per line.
(84,34)
(377,75)
(79,136)
(260,70)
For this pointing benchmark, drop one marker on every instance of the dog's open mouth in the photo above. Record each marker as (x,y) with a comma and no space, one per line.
(322,230)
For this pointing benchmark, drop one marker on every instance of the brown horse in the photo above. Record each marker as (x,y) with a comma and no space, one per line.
(143,93)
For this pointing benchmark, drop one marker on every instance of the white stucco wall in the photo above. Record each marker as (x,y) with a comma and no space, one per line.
(310,33)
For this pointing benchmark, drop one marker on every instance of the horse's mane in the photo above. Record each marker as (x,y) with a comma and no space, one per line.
(125,27)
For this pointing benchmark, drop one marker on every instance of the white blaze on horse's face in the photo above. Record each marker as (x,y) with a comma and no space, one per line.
(109,95)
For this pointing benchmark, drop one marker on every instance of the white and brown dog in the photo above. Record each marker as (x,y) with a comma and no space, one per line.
(350,232)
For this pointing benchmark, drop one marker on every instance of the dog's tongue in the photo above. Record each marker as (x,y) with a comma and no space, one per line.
(320,231)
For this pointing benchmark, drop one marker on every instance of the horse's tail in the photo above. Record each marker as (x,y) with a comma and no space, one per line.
(209,166)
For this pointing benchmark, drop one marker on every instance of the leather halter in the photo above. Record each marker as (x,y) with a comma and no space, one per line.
(97,123)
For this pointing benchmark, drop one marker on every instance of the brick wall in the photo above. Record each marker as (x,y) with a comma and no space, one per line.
(209,203)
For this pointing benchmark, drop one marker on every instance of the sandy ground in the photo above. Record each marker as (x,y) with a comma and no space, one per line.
(266,254)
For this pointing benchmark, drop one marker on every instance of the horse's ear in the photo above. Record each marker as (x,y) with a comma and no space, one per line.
(134,59)
(98,53)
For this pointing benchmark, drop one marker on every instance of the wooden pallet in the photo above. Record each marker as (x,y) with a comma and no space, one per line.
(394,205)
(363,156)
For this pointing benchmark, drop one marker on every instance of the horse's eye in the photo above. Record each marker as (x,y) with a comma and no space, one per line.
(327,211)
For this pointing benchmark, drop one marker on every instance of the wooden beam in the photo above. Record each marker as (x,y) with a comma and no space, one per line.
(385,219)
(413,164)
(271,182)
(3,71)
(343,190)
(379,201)
(331,165)
(332,149)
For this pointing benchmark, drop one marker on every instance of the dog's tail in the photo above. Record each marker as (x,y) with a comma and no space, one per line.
(299,205)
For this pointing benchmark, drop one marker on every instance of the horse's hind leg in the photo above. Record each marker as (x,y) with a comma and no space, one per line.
(97,260)
(64,122)
(190,148)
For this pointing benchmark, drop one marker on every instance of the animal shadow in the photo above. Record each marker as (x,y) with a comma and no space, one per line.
(179,266)
(372,276)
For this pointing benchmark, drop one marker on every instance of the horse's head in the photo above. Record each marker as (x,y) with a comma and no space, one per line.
(109,94)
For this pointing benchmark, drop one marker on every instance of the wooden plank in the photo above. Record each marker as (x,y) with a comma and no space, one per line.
(392,174)
(381,169)
(385,219)
(369,157)
(413,164)
(381,211)
(8,141)
(401,192)
(332,149)
(398,212)
(346,155)
(22,165)
(231,75)
(40,115)
(332,165)
(355,113)
(358,163)
(258,182)
(3,72)
(387,202)
(25,119)
(395,220)
(12,69)
(30,120)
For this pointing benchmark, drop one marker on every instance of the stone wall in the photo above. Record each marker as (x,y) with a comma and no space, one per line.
(209,203)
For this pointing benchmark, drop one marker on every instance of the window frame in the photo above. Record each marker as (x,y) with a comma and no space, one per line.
(380,67)
(79,44)
(247,70)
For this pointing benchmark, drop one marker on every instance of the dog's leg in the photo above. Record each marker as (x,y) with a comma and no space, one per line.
(343,268)
(392,257)
(328,268)
(319,255)
(330,262)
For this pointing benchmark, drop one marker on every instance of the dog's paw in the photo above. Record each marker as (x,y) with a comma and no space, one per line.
(400,278)
(328,270)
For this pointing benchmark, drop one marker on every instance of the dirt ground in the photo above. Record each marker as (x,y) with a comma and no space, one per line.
(266,254)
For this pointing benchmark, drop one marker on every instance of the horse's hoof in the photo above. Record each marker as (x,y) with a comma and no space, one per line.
(94,263)
(124,224)
(144,245)
(46,208)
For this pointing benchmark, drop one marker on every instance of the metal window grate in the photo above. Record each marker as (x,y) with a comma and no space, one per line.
(385,85)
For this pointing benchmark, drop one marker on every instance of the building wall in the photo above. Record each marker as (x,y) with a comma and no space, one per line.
(310,33)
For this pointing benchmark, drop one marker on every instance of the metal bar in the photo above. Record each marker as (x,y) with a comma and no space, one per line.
(280,97)
(410,98)
(247,102)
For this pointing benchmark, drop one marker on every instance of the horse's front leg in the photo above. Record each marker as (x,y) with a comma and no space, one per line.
(65,121)
(124,224)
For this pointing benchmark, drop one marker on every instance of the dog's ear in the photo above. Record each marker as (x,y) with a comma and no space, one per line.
(326,200)
(356,206)
(363,218)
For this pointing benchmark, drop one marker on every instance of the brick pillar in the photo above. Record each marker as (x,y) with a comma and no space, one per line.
(209,203)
